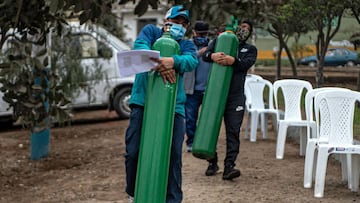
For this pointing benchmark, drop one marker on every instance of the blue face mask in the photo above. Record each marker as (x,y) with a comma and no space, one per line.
(201,41)
(177,31)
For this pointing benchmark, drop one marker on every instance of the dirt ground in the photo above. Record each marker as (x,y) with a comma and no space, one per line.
(86,165)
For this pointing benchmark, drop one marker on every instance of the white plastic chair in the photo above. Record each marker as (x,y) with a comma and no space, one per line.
(248,78)
(312,140)
(249,75)
(334,111)
(257,108)
(292,90)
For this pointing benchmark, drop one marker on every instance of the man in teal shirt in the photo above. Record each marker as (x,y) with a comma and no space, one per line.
(179,19)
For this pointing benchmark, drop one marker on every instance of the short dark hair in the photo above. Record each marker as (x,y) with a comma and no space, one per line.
(250,23)
(201,27)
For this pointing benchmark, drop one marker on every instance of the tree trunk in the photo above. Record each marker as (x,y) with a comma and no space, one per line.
(292,62)
(278,64)
(320,76)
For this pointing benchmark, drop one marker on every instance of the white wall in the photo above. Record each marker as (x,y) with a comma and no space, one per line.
(130,23)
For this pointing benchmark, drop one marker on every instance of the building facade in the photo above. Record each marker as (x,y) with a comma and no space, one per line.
(132,24)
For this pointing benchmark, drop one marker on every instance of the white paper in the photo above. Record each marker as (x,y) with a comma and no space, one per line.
(136,61)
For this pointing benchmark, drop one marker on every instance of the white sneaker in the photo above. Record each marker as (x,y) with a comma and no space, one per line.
(188,148)
(131,199)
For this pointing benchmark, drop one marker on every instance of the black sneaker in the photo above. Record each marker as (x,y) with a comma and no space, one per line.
(231,173)
(212,169)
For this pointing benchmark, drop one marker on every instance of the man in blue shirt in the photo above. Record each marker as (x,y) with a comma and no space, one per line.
(179,19)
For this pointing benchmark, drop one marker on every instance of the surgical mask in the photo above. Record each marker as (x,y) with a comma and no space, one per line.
(243,34)
(201,41)
(177,31)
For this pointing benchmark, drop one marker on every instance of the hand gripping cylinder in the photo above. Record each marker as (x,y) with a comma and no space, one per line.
(213,107)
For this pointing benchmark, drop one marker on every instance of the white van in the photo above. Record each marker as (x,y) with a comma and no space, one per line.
(4,111)
(113,92)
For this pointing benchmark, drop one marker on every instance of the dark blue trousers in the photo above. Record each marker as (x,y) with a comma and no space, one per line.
(192,105)
(132,140)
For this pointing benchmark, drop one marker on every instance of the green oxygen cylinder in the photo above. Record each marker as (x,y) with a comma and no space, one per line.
(157,129)
(213,107)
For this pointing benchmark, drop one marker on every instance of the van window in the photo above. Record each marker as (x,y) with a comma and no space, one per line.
(89,48)
(86,46)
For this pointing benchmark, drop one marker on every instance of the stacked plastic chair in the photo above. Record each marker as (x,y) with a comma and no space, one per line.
(312,139)
(334,115)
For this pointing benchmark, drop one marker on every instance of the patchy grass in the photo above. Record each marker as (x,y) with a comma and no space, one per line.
(357,123)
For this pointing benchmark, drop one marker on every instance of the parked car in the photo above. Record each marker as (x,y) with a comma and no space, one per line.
(333,57)
(113,91)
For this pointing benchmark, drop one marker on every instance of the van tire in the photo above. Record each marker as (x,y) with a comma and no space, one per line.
(121,102)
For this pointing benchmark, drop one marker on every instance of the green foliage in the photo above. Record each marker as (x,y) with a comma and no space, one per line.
(35,91)
(39,91)
(109,22)
(265,62)
(355,39)
(357,122)
(36,17)
(25,83)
